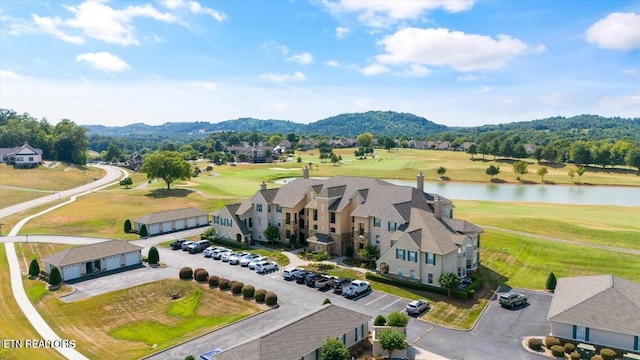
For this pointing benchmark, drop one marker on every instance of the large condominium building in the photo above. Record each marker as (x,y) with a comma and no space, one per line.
(415,231)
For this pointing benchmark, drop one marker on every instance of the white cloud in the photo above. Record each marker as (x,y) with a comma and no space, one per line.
(341,32)
(104,61)
(271,46)
(50,25)
(173,4)
(196,8)
(621,101)
(332,63)
(416,70)
(441,47)
(283,78)
(10,75)
(302,58)
(618,31)
(374,69)
(382,13)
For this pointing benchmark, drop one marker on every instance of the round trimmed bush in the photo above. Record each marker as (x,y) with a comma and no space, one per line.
(223,284)
(248,291)
(575,355)
(569,348)
(596,357)
(271,298)
(608,354)
(260,295)
(557,351)
(550,341)
(213,281)
(326,301)
(196,271)
(202,276)
(186,273)
(380,320)
(236,287)
(535,344)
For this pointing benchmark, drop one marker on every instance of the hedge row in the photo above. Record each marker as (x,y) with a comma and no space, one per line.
(237,287)
(458,294)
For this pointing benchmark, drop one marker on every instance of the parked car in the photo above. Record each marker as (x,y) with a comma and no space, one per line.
(311,278)
(244,262)
(177,244)
(290,272)
(512,299)
(234,259)
(417,307)
(252,264)
(338,284)
(217,255)
(356,288)
(264,267)
(186,244)
(198,246)
(324,282)
(208,252)
(300,276)
(226,256)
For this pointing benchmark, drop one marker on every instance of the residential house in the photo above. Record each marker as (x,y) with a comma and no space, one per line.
(172,220)
(24,156)
(87,260)
(135,161)
(302,337)
(601,309)
(254,154)
(344,213)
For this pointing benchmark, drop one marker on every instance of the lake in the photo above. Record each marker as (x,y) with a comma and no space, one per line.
(559,194)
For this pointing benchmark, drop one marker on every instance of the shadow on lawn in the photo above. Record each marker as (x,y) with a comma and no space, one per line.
(164,193)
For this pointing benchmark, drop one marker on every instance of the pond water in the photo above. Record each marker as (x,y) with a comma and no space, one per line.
(560,194)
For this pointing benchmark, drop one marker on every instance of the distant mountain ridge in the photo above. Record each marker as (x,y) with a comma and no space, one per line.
(387,123)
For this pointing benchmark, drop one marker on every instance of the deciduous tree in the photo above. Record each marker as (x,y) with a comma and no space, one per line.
(271,233)
(441,171)
(126,182)
(580,171)
(391,340)
(449,281)
(542,171)
(166,165)
(334,349)
(520,168)
(370,252)
(492,171)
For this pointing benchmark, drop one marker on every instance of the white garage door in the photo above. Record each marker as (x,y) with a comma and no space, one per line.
(71,272)
(113,262)
(180,224)
(132,258)
(167,227)
(154,229)
(204,220)
(191,222)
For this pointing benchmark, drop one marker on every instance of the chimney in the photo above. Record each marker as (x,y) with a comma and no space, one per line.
(420,181)
(263,185)
(305,172)
(437,207)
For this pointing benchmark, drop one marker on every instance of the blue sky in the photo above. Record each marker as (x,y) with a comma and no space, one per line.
(454,62)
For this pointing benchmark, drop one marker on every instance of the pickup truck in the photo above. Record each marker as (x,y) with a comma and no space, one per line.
(356,288)
(512,300)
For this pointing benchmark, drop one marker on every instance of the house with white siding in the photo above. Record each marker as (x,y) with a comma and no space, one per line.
(24,156)
(168,221)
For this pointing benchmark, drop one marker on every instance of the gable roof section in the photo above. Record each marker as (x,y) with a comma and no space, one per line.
(27,149)
(299,336)
(170,215)
(90,252)
(292,192)
(462,226)
(435,237)
(269,194)
(603,302)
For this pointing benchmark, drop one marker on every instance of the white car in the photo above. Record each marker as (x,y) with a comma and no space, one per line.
(218,253)
(186,244)
(226,256)
(264,267)
(208,252)
(244,262)
(252,264)
(234,259)
(290,273)
(356,288)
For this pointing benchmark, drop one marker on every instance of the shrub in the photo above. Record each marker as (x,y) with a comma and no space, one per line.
(535,344)
(551,282)
(54,278)
(202,276)
(349,252)
(574,355)
(550,341)
(143,231)
(154,256)
(397,319)
(569,348)
(34,268)
(197,270)
(260,295)
(127,226)
(248,291)
(596,357)
(213,281)
(223,284)
(271,298)
(236,287)
(186,273)
(557,351)
(380,320)
(326,301)
(607,354)
(189,357)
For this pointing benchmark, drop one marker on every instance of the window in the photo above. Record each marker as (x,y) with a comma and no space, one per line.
(315,214)
(376,222)
(580,333)
(429,259)
(391,226)
(400,254)
(332,217)
(377,239)
(315,227)
(332,230)
(636,343)
(268,208)
(287,218)
(278,208)
(429,278)
(259,208)
(344,339)
(216,220)
(413,256)
(356,331)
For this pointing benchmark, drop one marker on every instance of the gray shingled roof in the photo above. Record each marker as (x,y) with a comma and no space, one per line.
(269,194)
(170,215)
(90,252)
(463,226)
(233,210)
(603,302)
(292,192)
(321,238)
(298,337)
(436,237)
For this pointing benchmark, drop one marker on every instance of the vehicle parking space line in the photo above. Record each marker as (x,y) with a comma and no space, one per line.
(376,299)
(390,304)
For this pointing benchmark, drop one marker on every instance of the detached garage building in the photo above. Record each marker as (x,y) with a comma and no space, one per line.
(92,259)
(172,220)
